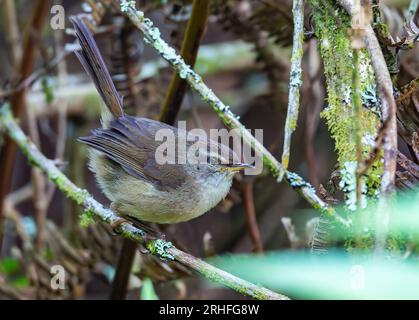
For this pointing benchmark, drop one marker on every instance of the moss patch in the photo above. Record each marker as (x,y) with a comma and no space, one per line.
(331,27)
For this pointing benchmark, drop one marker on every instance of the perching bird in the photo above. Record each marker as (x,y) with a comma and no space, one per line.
(122,156)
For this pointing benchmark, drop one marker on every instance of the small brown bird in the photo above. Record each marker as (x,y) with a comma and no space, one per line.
(122,156)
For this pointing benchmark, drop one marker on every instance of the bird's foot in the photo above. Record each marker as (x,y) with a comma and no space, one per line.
(151,232)
(116,224)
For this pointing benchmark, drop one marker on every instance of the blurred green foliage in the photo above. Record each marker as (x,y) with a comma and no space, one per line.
(147,290)
(358,273)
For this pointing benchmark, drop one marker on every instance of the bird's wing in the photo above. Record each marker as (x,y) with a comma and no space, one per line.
(131,143)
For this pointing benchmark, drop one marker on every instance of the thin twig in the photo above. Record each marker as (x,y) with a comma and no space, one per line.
(314,103)
(123,269)
(40,196)
(60,142)
(289,227)
(9,292)
(193,35)
(44,191)
(152,36)
(8,152)
(411,11)
(408,165)
(295,79)
(221,57)
(388,106)
(359,20)
(12,31)
(62,77)
(39,184)
(375,151)
(357,116)
(30,80)
(406,93)
(159,247)
(9,208)
(249,205)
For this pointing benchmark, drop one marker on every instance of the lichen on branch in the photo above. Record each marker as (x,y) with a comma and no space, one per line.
(295,79)
(332,25)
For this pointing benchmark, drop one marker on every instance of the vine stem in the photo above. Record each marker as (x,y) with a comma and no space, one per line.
(295,79)
(252,224)
(152,36)
(158,247)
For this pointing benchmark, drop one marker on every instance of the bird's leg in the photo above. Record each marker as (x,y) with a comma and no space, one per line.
(151,233)
(115,225)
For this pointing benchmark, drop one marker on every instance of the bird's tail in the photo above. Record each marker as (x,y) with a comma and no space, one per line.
(93,63)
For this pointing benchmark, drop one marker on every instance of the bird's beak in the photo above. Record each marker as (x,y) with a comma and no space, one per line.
(235,167)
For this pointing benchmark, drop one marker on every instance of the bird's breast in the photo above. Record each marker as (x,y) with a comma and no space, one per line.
(144,201)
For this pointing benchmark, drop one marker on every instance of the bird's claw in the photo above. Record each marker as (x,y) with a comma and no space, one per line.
(116,224)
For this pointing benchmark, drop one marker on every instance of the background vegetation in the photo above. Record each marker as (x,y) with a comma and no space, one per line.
(335,90)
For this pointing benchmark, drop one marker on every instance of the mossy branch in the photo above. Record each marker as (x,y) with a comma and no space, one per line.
(388,109)
(388,104)
(193,35)
(164,250)
(152,36)
(295,79)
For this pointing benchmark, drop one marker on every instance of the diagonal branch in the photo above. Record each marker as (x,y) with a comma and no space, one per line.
(159,247)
